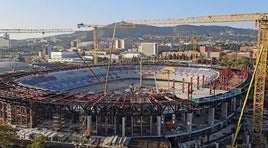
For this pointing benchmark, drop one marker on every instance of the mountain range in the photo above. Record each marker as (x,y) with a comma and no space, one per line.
(216,32)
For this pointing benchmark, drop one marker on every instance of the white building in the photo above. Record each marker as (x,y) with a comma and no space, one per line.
(119,44)
(4,41)
(113,56)
(244,54)
(85,45)
(64,57)
(148,49)
(131,55)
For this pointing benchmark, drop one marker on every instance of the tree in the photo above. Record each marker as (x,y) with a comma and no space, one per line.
(7,135)
(202,60)
(214,61)
(38,142)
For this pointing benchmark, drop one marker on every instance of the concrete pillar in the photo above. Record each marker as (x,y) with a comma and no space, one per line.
(158,120)
(132,125)
(31,118)
(188,91)
(26,117)
(96,125)
(123,126)
(217,145)
(210,87)
(191,85)
(234,104)
(240,103)
(106,124)
(89,123)
(211,116)
(197,83)
(247,139)
(114,125)
(203,80)
(183,117)
(224,110)
(141,125)
(173,118)
(151,125)
(189,121)
(182,89)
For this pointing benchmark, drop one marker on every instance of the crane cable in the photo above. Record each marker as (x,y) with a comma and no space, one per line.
(109,62)
(90,69)
(245,101)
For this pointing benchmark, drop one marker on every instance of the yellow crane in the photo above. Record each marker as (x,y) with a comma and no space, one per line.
(95,28)
(261,23)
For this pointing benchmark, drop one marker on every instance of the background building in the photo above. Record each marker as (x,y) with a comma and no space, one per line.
(63,57)
(164,48)
(244,54)
(119,44)
(75,43)
(148,49)
(46,50)
(4,41)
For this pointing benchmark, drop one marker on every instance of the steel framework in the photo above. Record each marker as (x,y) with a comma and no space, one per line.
(259,86)
(261,22)
(105,114)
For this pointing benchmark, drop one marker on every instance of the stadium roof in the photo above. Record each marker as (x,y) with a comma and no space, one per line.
(9,66)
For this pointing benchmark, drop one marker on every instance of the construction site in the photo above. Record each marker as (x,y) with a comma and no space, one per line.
(121,105)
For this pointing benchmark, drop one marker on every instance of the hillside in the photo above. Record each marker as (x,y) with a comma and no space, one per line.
(223,32)
(216,34)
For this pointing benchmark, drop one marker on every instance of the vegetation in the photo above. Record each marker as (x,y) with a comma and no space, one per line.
(7,135)
(239,62)
(38,142)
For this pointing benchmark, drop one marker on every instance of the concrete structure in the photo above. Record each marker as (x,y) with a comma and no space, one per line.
(147,113)
(75,43)
(255,53)
(4,41)
(63,57)
(246,48)
(180,54)
(7,66)
(148,49)
(244,54)
(164,48)
(119,44)
(46,51)
(212,54)
(204,49)
(85,45)
(114,57)
(130,55)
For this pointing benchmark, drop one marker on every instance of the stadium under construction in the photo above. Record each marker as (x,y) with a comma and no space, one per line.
(149,101)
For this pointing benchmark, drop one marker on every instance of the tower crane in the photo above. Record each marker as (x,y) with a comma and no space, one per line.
(95,28)
(261,23)
(43,31)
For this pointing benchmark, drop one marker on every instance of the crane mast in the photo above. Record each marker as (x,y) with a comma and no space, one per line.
(259,86)
(261,22)
(95,36)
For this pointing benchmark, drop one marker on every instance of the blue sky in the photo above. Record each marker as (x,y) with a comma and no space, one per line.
(68,13)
